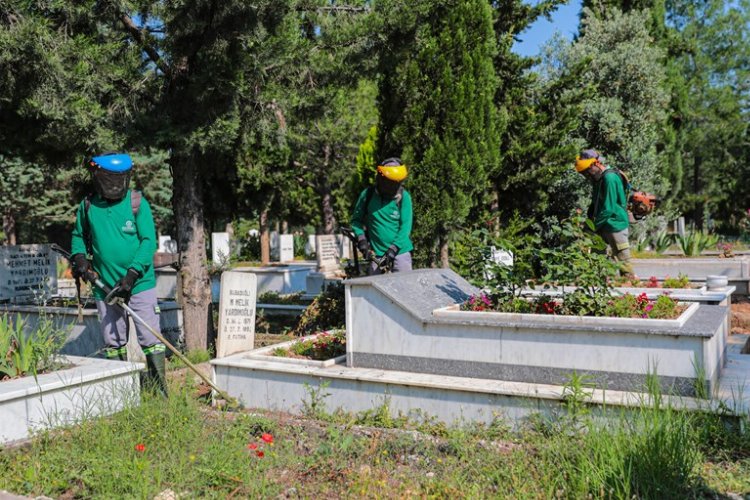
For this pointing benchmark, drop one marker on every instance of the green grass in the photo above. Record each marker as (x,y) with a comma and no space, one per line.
(199,452)
(195,356)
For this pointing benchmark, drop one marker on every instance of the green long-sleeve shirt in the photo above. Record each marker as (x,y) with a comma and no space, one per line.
(119,241)
(386,224)
(608,207)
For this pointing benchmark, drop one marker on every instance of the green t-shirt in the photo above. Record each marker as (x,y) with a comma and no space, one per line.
(610,215)
(386,223)
(119,241)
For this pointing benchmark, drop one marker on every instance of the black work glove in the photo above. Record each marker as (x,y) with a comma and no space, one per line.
(389,257)
(125,284)
(391,253)
(81,267)
(363,246)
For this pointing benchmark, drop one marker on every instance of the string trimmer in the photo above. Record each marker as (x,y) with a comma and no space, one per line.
(113,299)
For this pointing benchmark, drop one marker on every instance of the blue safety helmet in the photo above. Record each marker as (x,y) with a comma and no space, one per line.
(117,163)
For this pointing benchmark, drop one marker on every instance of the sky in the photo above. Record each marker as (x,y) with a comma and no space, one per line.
(564,20)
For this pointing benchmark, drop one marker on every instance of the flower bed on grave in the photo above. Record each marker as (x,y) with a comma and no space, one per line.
(623,306)
(579,278)
(41,389)
(680,282)
(320,347)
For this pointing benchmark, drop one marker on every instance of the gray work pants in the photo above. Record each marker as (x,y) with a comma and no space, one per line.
(115,324)
(620,245)
(401,263)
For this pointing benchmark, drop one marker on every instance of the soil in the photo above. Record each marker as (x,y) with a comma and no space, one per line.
(741,318)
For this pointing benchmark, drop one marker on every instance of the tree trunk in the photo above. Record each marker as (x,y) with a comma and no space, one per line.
(326,198)
(326,207)
(265,238)
(9,228)
(443,248)
(187,201)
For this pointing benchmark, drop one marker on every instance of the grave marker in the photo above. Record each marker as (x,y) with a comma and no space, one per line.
(25,269)
(219,247)
(328,253)
(286,248)
(497,256)
(236,313)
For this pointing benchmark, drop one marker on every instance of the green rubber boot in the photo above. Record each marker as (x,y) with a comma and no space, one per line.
(156,378)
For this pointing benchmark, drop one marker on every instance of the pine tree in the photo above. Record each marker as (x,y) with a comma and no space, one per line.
(437,112)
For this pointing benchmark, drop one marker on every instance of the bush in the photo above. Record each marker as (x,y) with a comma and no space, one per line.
(326,312)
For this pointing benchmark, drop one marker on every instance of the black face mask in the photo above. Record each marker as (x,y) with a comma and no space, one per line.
(386,187)
(112,186)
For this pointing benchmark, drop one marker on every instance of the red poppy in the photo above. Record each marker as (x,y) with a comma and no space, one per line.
(267,438)
(260,454)
(140,447)
(252,446)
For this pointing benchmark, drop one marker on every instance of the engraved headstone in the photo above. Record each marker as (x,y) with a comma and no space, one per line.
(236,313)
(26,270)
(286,248)
(219,247)
(328,253)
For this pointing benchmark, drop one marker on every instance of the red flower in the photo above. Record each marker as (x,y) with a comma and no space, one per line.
(260,454)
(252,446)
(140,447)
(267,438)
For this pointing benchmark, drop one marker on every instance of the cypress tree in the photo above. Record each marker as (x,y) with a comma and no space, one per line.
(437,112)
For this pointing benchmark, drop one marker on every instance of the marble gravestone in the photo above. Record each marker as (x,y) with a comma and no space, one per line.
(27,270)
(286,248)
(328,252)
(219,247)
(236,313)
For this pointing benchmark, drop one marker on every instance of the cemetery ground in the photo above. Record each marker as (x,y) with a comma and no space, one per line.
(185,448)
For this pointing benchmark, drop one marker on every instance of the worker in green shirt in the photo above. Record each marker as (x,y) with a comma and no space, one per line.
(382,220)
(608,207)
(115,228)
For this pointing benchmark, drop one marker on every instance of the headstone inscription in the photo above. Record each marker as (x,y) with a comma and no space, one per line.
(25,270)
(236,313)
(328,253)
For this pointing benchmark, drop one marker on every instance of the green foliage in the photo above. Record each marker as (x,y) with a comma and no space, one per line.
(681,281)
(271,297)
(437,111)
(624,70)
(710,49)
(695,242)
(326,345)
(631,306)
(326,312)
(662,241)
(22,353)
(580,259)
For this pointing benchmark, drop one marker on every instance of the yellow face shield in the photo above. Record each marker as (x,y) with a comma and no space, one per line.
(395,173)
(582,165)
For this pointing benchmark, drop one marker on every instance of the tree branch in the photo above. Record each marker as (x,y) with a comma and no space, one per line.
(140,36)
